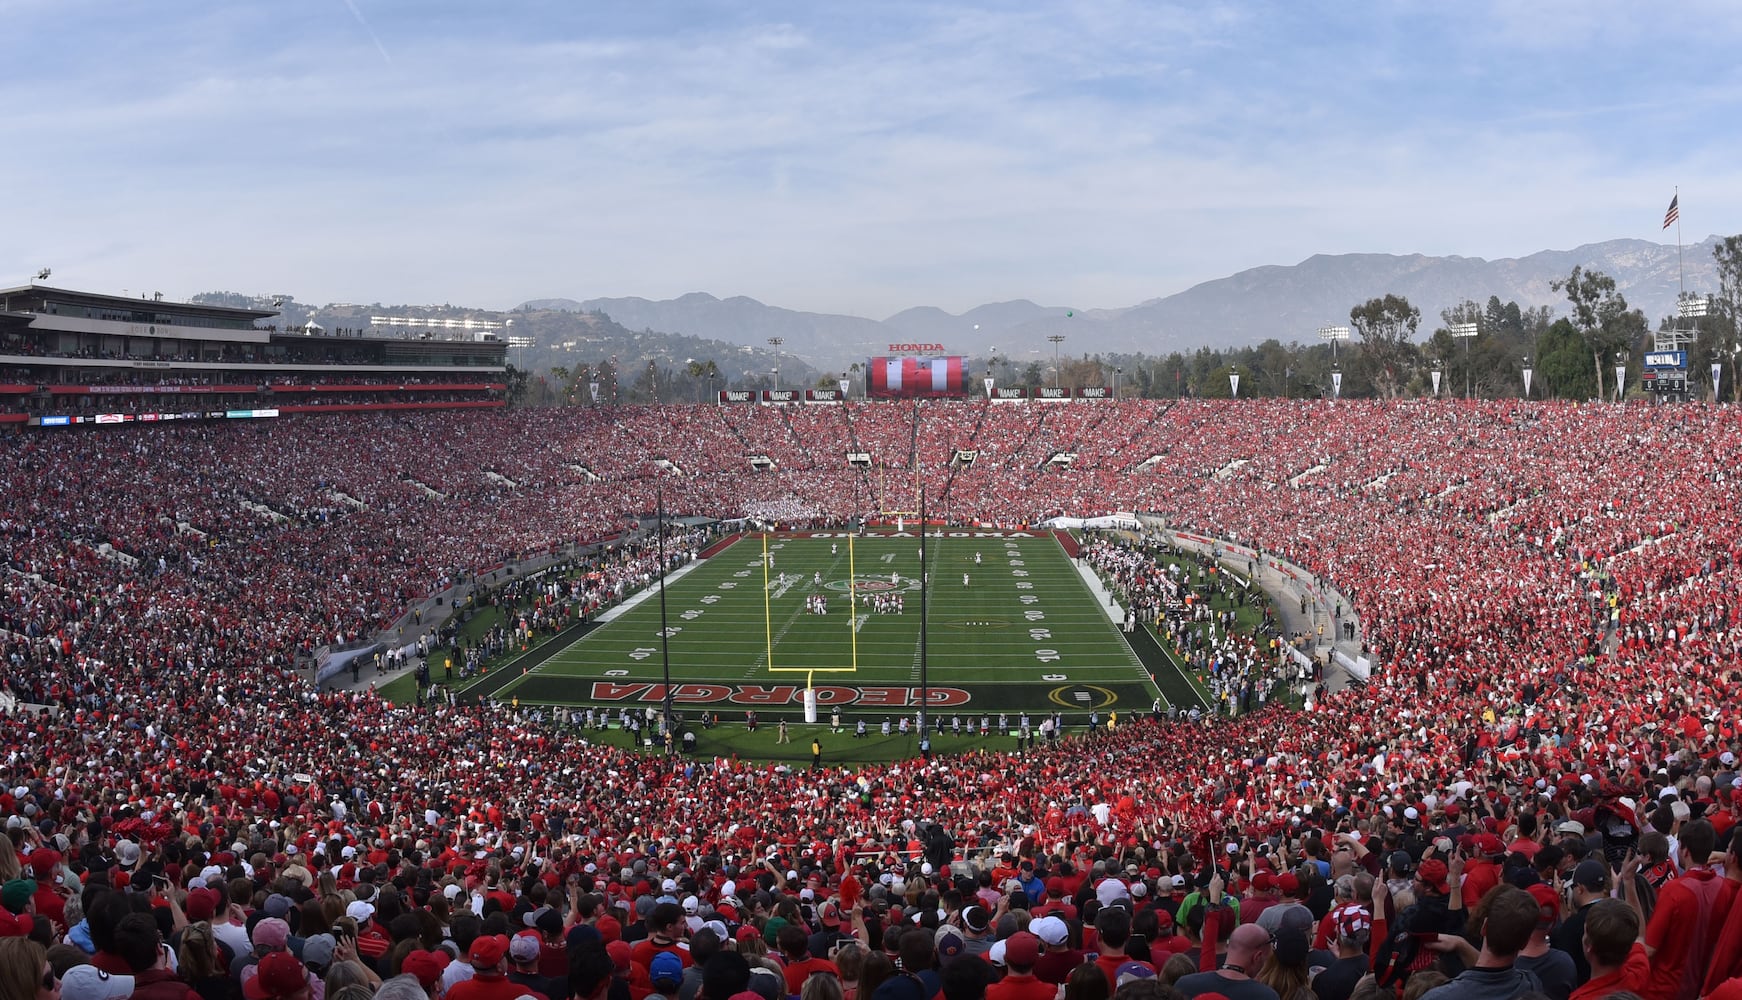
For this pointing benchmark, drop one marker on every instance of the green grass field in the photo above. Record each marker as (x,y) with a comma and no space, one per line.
(1022,634)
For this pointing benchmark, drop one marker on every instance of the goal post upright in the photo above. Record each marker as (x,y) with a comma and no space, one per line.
(924,587)
(768,624)
(852,603)
(767,604)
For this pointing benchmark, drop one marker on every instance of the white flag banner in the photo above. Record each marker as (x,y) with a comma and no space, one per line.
(1527,374)
(1717,370)
(594,387)
(843,384)
(1233,385)
(1620,381)
(1436,377)
(988,387)
(1336,385)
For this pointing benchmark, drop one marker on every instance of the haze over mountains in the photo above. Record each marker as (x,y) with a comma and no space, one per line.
(1285,302)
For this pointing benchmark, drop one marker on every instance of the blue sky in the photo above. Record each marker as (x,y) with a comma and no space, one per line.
(846,158)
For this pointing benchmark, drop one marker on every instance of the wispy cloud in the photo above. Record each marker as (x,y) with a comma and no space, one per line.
(864,160)
(357,13)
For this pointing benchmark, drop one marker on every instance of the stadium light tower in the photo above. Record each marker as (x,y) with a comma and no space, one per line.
(520,343)
(1465,332)
(1333,335)
(775,343)
(1057,339)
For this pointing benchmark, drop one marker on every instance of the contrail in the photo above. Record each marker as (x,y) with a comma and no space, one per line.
(358,14)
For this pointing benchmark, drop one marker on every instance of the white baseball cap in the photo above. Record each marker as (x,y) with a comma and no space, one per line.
(87,982)
(360,911)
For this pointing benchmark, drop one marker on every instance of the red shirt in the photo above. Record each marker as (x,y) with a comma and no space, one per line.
(553,958)
(1528,848)
(51,904)
(373,942)
(1019,986)
(1631,977)
(1480,875)
(490,986)
(1252,906)
(1055,966)
(1682,931)
(1061,908)
(642,954)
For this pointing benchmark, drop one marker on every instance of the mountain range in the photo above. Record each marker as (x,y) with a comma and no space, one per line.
(1285,302)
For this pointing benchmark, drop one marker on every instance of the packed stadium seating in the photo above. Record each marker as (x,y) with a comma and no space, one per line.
(1549,591)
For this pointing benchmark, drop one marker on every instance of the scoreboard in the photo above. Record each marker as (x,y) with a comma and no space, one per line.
(916,378)
(1665,372)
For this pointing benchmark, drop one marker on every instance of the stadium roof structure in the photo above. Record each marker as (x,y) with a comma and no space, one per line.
(101,300)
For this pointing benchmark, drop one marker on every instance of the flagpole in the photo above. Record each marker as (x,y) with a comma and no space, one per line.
(1680,276)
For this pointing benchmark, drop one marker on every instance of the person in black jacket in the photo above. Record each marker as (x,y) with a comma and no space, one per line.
(1428,917)
(939,846)
(1337,980)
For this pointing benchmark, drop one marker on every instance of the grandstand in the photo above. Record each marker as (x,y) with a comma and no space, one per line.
(69,357)
(1546,595)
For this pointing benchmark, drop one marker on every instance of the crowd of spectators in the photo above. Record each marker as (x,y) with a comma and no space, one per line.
(1194,606)
(1548,593)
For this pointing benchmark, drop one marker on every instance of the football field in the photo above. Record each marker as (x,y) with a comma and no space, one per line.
(1013,628)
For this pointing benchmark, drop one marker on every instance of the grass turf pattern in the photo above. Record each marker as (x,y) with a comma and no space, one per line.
(1022,633)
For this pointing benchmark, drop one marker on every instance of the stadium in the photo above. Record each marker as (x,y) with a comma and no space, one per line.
(312,621)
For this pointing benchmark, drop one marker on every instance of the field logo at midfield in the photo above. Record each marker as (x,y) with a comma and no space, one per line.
(1082,697)
(873,584)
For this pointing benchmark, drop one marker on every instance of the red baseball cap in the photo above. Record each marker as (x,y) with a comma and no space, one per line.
(487,951)
(278,975)
(1022,948)
(1550,903)
(427,966)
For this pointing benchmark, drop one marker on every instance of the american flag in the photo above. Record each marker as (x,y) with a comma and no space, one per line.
(1674,212)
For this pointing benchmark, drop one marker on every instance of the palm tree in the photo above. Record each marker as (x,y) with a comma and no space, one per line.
(700,370)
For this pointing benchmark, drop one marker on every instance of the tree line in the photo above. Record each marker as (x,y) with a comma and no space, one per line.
(1387,355)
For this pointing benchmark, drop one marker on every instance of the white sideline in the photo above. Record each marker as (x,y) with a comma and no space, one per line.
(651,591)
(1103,596)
